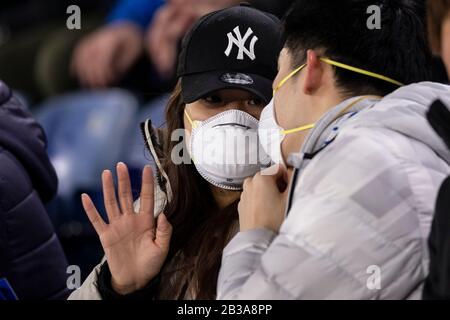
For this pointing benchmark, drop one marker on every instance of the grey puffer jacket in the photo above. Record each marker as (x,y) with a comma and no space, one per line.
(360,208)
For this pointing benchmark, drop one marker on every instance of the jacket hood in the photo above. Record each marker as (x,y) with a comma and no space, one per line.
(404,111)
(23,137)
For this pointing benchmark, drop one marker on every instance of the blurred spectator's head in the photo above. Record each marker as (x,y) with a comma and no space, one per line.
(439,28)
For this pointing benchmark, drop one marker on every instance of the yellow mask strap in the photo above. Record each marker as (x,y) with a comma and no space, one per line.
(307,127)
(340,65)
(290,75)
(193,123)
(310,126)
(343,66)
(361,71)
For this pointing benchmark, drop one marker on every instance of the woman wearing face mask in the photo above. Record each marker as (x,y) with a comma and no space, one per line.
(169,246)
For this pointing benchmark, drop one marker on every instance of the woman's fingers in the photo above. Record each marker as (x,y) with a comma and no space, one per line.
(109,196)
(147,192)
(93,215)
(125,195)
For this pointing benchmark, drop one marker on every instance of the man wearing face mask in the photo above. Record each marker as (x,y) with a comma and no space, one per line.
(350,217)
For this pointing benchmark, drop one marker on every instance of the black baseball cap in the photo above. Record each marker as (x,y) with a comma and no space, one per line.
(237,48)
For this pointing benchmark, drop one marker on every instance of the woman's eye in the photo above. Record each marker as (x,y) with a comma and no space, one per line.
(213,99)
(255,102)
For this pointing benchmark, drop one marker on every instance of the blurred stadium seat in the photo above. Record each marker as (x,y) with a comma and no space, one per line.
(85,133)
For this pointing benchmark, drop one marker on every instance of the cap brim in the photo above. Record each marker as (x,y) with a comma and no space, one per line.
(197,86)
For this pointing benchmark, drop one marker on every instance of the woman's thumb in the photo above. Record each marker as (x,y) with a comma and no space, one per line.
(163,231)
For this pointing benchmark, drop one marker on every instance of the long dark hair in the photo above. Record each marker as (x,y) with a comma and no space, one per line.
(200,228)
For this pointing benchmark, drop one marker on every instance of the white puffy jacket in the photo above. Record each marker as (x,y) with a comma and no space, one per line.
(359,212)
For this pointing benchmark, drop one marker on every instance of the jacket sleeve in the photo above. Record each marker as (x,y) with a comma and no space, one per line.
(352,232)
(31,256)
(139,12)
(89,289)
(108,293)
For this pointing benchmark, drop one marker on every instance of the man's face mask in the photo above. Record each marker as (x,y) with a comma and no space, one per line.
(271,134)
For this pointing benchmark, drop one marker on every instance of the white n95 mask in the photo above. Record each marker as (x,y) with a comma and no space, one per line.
(225,148)
(271,135)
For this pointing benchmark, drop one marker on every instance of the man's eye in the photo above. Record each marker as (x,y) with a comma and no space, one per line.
(213,99)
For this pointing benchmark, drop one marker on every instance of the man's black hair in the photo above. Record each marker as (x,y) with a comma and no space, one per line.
(338,30)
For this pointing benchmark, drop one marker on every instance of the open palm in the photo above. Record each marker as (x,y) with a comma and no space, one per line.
(135,245)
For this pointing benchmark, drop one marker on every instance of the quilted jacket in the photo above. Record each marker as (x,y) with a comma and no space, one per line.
(31,257)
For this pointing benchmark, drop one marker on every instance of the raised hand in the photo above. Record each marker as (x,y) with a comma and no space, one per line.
(102,58)
(135,245)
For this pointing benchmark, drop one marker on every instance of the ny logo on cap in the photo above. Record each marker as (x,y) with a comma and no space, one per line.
(240,43)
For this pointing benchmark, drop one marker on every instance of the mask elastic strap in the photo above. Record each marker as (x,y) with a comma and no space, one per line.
(307,127)
(193,124)
(290,75)
(361,71)
(343,66)
(310,126)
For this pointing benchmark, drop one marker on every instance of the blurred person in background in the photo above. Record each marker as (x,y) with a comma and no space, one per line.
(112,54)
(439,29)
(437,284)
(106,56)
(35,44)
(31,257)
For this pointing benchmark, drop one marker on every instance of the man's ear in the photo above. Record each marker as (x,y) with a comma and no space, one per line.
(313,72)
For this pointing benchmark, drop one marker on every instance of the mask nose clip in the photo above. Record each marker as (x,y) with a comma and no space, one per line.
(232,124)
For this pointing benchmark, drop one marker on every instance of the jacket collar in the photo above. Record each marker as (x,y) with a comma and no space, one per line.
(327,128)
(153,143)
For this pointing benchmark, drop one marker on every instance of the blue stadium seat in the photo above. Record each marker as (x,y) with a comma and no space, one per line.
(85,133)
